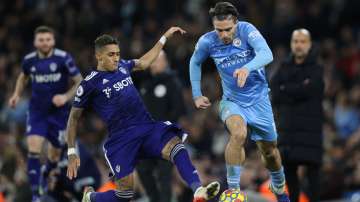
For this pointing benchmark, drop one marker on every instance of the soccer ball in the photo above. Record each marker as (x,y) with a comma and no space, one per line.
(233,195)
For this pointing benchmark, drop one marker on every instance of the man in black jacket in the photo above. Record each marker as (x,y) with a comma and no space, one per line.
(162,95)
(297,93)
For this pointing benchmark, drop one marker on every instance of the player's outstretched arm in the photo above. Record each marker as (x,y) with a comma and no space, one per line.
(149,57)
(19,88)
(60,99)
(73,158)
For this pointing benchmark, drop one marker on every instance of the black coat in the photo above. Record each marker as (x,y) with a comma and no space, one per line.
(162,95)
(297,93)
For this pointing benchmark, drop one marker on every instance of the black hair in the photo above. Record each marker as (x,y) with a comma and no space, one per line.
(104,40)
(224,10)
(44,29)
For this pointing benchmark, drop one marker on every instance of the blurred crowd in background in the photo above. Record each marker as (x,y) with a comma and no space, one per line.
(335,29)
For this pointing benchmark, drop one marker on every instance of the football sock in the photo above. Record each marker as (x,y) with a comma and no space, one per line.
(181,159)
(278,178)
(111,196)
(33,171)
(233,173)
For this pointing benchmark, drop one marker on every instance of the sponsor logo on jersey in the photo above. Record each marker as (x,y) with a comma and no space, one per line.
(123,83)
(46,78)
(234,59)
(107,92)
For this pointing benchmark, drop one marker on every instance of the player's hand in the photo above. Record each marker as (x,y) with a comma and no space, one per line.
(202,102)
(73,165)
(168,34)
(13,101)
(241,75)
(59,100)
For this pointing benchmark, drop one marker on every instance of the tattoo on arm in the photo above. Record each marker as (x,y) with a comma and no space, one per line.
(71,92)
(75,114)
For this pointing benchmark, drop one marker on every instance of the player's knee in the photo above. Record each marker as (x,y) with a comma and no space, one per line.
(166,152)
(269,153)
(54,154)
(34,143)
(238,136)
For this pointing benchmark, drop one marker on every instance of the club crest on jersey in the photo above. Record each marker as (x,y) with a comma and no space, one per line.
(33,69)
(237,42)
(123,70)
(53,66)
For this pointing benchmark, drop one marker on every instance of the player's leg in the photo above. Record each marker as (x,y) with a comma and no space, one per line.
(146,172)
(174,150)
(235,152)
(235,120)
(261,120)
(121,155)
(53,157)
(123,193)
(271,157)
(34,143)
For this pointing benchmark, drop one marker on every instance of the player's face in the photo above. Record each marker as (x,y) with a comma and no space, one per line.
(225,29)
(108,58)
(300,44)
(44,42)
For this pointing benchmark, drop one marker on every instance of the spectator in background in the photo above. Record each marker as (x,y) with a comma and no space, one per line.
(162,95)
(297,92)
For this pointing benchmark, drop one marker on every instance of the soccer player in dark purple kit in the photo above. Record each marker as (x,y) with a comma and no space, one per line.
(49,70)
(133,134)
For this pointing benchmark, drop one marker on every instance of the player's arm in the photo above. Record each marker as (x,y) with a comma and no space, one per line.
(74,160)
(263,54)
(21,82)
(149,57)
(201,52)
(71,92)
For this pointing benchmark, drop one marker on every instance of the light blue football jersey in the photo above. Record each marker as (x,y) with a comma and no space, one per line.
(248,49)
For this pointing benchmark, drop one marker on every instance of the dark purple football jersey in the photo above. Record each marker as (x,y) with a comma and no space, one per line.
(49,76)
(115,99)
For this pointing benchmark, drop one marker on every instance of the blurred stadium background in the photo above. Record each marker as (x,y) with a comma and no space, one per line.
(138,24)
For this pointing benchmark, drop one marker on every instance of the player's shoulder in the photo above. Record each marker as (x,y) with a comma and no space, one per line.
(92,77)
(125,65)
(60,53)
(208,37)
(30,56)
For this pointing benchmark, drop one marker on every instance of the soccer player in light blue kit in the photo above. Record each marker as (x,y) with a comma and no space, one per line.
(49,70)
(133,134)
(240,54)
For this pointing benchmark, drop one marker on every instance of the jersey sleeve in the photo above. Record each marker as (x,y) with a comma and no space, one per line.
(25,66)
(83,95)
(72,69)
(263,54)
(200,54)
(128,64)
